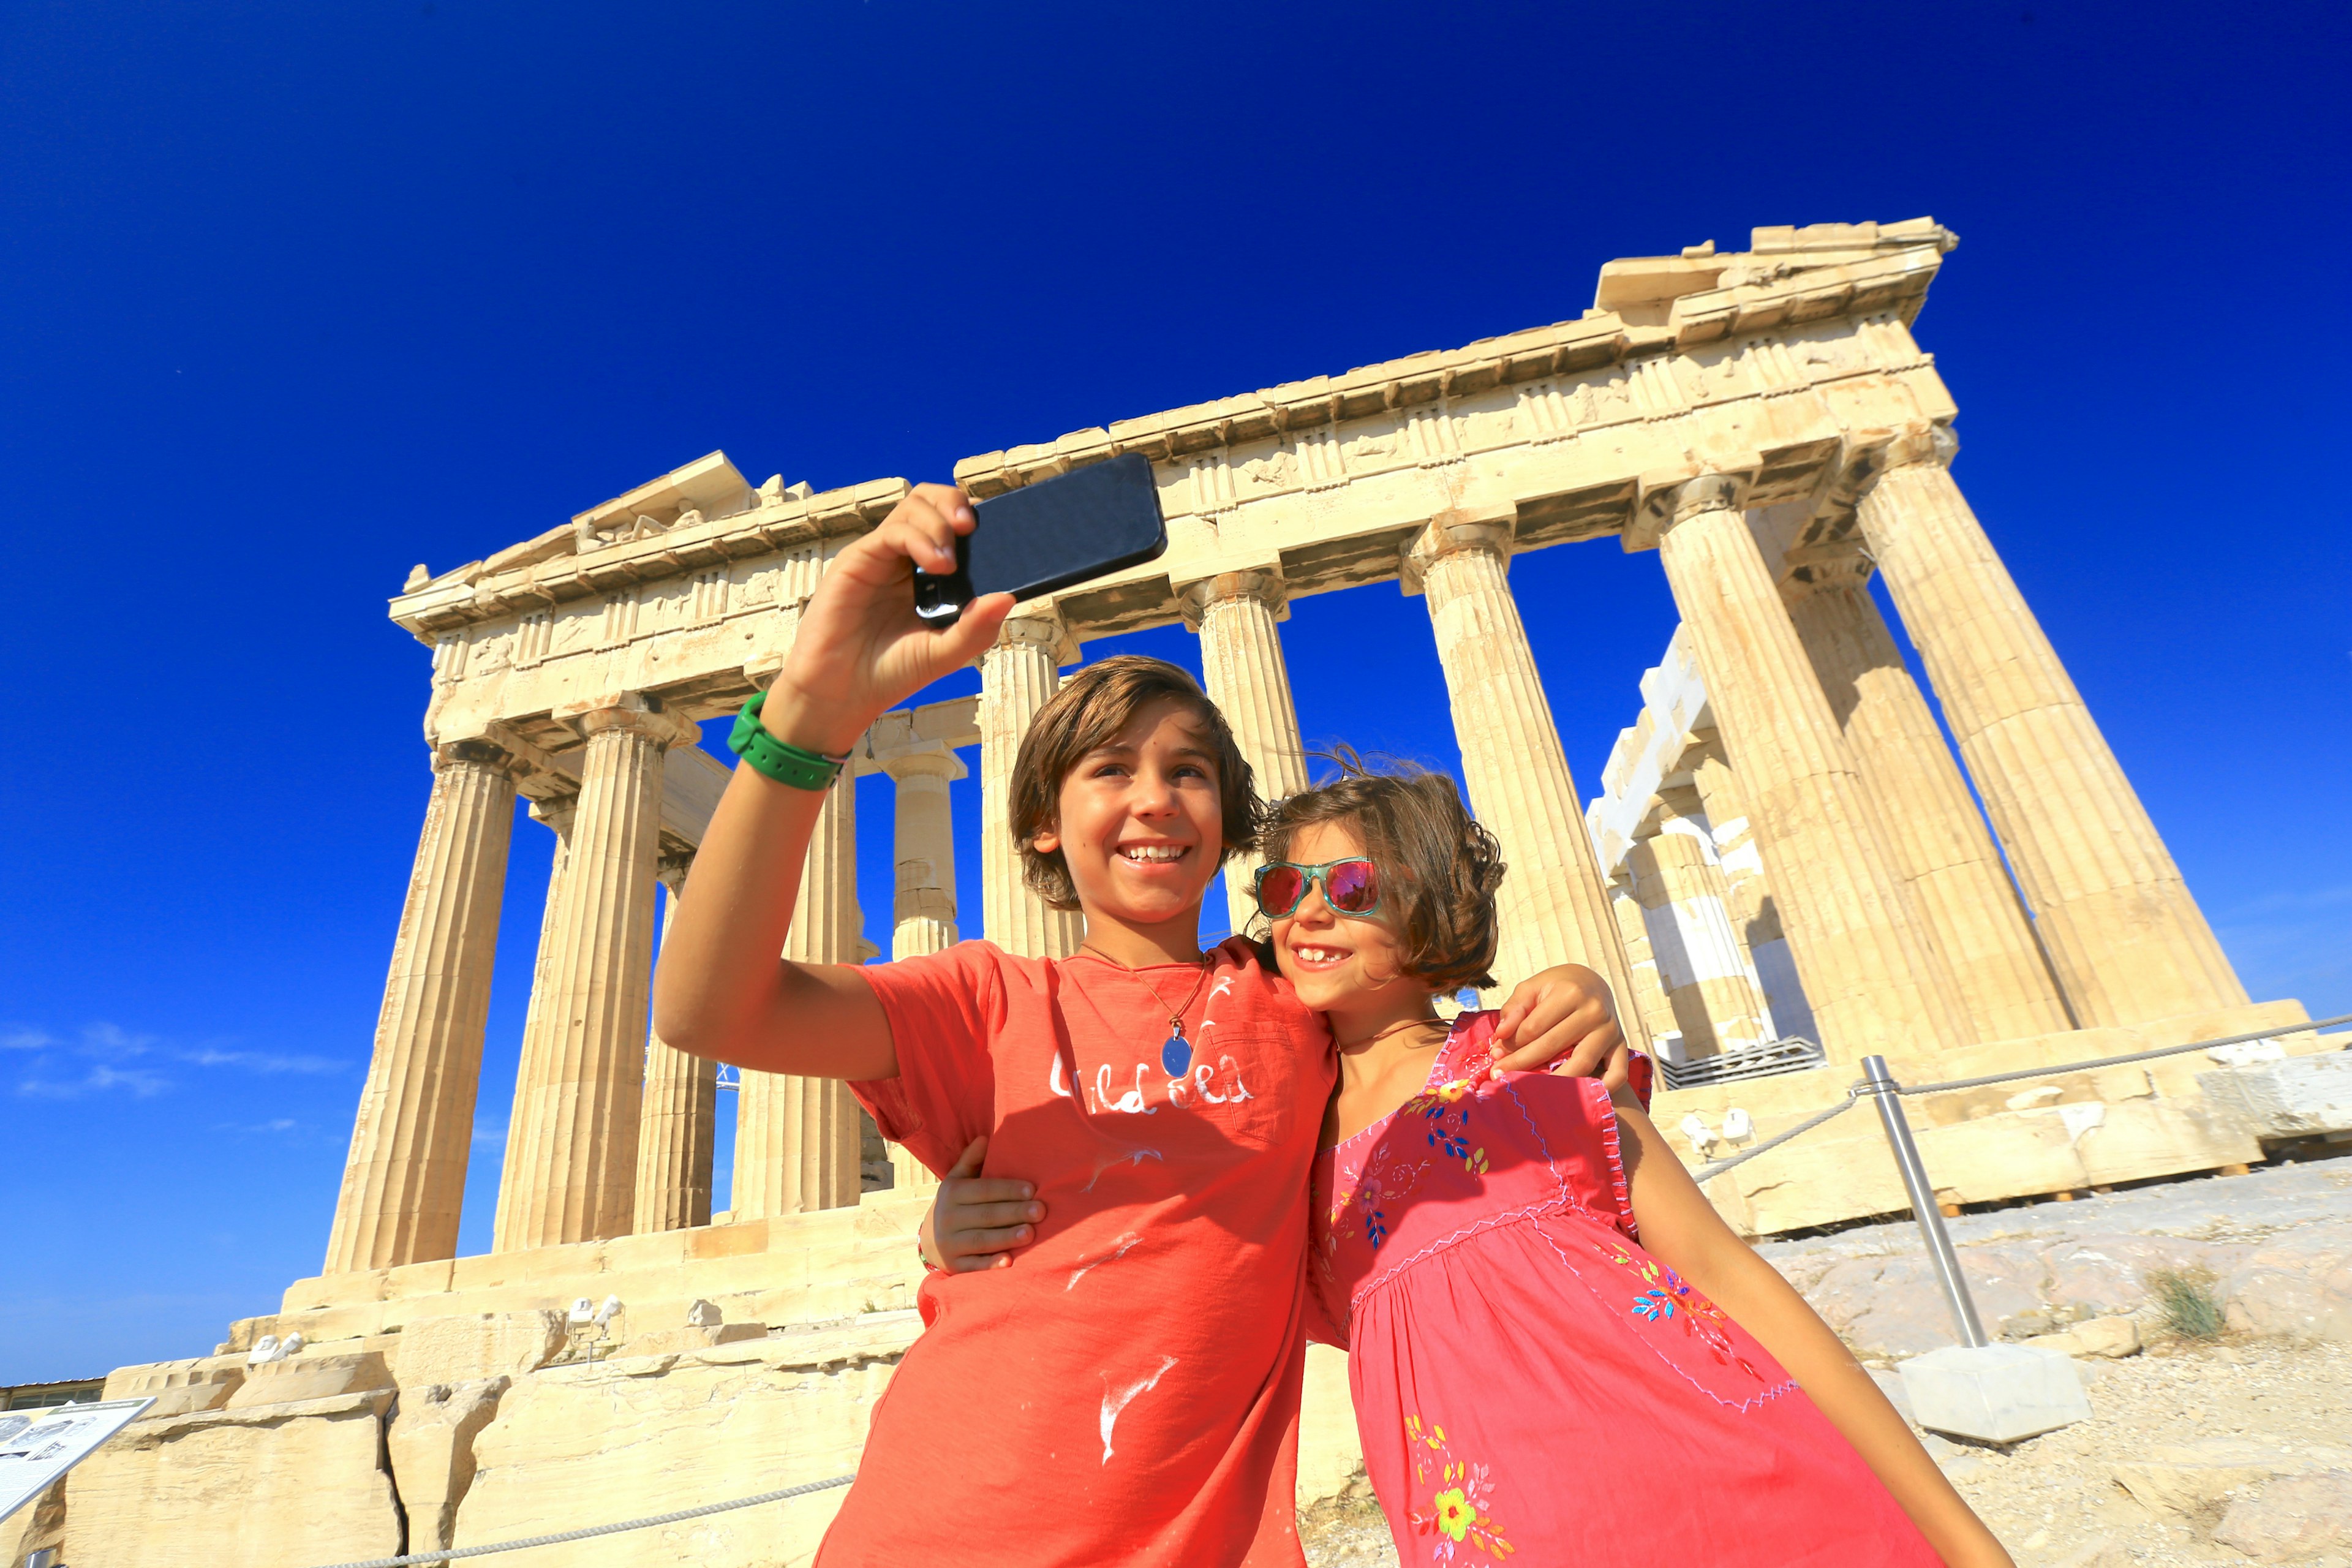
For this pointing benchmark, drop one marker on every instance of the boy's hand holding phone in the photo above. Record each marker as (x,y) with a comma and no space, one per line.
(860,647)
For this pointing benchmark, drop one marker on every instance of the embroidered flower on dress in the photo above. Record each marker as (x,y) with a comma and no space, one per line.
(1664,1291)
(1462,1496)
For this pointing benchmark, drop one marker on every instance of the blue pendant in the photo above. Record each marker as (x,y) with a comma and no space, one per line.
(1176,1056)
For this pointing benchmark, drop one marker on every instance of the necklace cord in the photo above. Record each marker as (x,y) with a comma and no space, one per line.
(1176,1016)
(1384,1034)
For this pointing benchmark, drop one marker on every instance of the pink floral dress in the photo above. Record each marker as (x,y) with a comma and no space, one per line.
(1530,1383)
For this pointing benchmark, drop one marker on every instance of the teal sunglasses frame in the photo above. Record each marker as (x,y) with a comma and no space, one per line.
(1316,876)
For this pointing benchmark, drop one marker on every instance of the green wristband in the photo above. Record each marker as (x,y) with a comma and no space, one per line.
(780,759)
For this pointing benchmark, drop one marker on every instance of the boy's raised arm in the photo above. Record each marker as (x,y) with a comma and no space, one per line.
(722,989)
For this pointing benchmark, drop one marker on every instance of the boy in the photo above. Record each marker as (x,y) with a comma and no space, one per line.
(1127,1393)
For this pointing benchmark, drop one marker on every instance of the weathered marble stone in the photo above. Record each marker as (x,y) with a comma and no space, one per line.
(311,1376)
(281,1486)
(39,1523)
(179,1387)
(587,1443)
(478,1345)
(431,1446)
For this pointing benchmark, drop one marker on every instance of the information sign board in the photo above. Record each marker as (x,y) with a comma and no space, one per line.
(36,1447)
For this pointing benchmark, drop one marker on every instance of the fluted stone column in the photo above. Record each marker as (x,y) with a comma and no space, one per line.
(796,1138)
(1747,897)
(1016,677)
(1649,991)
(572,1147)
(1718,1002)
(678,1128)
(1875,984)
(2126,940)
(1553,905)
(1241,655)
(923,910)
(923,901)
(405,1180)
(1940,843)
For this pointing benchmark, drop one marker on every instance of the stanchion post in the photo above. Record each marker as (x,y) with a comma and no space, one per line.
(1880,1085)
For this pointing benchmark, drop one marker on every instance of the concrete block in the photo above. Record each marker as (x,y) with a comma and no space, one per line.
(1994,1393)
(2297,1098)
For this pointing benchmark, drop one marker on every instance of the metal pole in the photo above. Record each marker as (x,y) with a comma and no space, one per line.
(1880,1084)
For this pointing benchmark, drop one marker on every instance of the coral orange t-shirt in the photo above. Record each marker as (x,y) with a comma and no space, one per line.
(1126,1392)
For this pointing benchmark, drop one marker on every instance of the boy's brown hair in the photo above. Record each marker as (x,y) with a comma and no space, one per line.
(1438,870)
(1092,707)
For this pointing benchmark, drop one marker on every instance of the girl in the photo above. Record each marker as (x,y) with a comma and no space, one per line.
(1453,1206)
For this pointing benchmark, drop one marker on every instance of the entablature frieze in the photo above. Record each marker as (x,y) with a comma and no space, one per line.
(1555,434)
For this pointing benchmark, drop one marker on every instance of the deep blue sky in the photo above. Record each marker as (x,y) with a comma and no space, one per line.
(297,296)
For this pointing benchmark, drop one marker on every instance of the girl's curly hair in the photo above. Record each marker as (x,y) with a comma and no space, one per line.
(1439,870)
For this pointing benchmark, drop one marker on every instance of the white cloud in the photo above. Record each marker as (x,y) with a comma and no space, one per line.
(99,1079)
(104,1039)
(489,1137)
(258,1061)
(98,1060)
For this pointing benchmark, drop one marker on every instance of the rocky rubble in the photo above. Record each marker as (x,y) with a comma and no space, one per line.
(2277,1242)
(2232,1450)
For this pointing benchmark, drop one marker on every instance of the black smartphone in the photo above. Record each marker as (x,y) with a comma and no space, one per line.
(1050,535)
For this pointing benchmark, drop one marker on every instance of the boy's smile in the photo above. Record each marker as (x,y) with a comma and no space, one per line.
(1139,824)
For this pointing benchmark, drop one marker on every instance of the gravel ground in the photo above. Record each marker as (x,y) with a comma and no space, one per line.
(2054,1498)
(2252,1432)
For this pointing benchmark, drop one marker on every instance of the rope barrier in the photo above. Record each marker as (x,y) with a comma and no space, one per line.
(1765,1147)
(1709,1172)
(2133,1056)
(568,1535)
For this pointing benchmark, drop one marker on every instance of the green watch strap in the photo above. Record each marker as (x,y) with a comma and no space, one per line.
(780,759)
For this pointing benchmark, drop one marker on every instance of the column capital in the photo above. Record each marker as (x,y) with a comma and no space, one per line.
(671,868)
(536,773)
(1669,498)
(637,713)
(486,751)
(1262,583)
(1935,445)
(1450,533)
(936,761)
(1039,627)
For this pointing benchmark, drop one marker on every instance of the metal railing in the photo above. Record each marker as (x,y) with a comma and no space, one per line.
(1880,1085)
